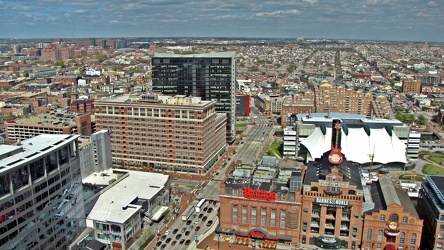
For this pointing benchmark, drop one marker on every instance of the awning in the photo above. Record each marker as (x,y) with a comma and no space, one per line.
(390,247)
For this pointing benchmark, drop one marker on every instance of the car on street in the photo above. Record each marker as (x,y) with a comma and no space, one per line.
(163,237)
(159,243)
(208,223)
(204,218)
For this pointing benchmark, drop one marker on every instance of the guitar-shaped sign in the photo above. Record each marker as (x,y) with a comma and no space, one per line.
(336,156)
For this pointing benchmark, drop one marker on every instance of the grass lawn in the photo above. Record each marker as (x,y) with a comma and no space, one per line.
(436,157)
(275,149)
(430,169)
(241,125)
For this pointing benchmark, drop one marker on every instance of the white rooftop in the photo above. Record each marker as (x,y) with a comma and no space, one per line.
(137,185)
(33,148)
(357,145)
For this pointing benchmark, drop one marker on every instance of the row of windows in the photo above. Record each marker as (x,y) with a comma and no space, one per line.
(402,238)
(263,216)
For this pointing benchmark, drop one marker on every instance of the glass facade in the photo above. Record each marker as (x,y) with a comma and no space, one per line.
(209,76)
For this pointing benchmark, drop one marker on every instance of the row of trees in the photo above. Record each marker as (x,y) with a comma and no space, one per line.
(410,118)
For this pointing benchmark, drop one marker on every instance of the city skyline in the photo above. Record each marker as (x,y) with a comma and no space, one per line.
(395,20)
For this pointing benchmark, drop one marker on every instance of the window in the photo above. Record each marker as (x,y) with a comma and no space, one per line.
(282,220)
(440,236)
(235,213)
(244,214)
(402,238)
(394,217)
(382,218)
(413,241)
(404,219)
(369,234)
(379,235)
(263,217)
(253,215)
(273,218)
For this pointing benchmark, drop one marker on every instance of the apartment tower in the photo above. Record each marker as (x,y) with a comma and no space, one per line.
(209,76)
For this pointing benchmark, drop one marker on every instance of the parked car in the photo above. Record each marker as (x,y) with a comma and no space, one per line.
(209,223)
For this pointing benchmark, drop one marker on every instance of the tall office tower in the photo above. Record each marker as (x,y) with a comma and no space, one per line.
(209,76)
(41,200)
(176,134)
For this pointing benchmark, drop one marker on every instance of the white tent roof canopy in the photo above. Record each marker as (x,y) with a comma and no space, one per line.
(357,146)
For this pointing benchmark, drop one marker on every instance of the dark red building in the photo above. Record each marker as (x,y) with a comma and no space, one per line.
(82,106)
(242,105)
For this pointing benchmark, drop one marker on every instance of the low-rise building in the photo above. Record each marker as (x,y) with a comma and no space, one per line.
(48,123)
(392,222)
(262,203)
(117,216)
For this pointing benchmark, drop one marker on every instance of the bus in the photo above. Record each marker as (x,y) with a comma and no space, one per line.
(188,212)
(199,205)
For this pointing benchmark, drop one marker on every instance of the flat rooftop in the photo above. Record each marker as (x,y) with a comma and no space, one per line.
(228,54)
(33,148)
(114,205)
(52,119)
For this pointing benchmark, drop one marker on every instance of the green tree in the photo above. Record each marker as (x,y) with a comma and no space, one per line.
(59,63)
(254,68)
(421,120)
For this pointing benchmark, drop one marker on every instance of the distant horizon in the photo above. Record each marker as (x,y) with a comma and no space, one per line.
(224,38)
(365,20)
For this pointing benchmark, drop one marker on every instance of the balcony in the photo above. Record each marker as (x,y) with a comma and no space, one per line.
(314,225)
(333,192)
(345,218)
(329,216)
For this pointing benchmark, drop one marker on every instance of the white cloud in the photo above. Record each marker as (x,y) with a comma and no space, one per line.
(277,13)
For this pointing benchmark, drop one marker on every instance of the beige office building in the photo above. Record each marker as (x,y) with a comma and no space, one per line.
(175,134)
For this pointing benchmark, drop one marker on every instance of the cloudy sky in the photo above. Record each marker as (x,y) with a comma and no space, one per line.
(400,20)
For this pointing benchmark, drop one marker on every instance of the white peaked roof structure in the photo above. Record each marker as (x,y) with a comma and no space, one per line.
(357,144)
